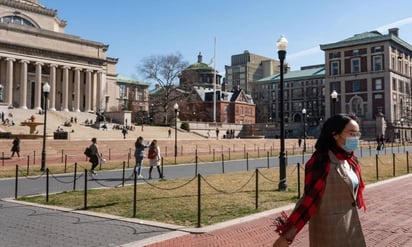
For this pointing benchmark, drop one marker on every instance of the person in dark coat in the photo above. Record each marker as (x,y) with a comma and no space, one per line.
(16,147)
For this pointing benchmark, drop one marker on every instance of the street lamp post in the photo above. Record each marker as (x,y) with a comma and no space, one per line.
(46,90)
(334,96)
(304,129)
(282,45)
(176,107)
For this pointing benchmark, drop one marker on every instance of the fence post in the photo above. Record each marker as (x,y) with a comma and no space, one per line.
(62,155)
(257,189)
(123,172)
(199,200)
(28,169)
(393,164)
(377,167)
(247,161)
(214,155)
(34,157)
(110,153)
(196,160)
(65,163)
(16,185)
(2,158)
(223,163)
(258,152)
(229,154)
(85,190)
(74,176)
(47,184)
(134,193)
(267,157)
(299,180)
(407,161)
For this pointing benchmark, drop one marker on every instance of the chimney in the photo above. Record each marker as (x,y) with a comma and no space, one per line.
(394,31)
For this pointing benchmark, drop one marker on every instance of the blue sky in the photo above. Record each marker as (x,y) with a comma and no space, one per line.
(135,29)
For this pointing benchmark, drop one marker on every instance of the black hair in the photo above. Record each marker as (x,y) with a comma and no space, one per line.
(333,126)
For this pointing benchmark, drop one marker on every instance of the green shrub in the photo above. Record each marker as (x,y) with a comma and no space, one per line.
(185,126)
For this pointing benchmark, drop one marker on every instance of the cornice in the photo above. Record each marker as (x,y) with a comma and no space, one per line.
(35,8)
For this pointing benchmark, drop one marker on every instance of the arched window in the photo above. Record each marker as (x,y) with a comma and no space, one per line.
(14,19)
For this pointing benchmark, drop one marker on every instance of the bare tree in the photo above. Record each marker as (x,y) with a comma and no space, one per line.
(164,71)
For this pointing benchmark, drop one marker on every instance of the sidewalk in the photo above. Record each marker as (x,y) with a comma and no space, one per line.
(386,222)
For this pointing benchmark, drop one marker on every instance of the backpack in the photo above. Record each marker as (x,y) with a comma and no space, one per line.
(152,153)
(88,152)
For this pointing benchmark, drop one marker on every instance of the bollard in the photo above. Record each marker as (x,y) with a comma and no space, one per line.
(65,163)
(123,173)
(377,167)
(267,157)
(407,162)
(393,165)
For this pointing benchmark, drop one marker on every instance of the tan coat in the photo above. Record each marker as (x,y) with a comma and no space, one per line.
(336,221)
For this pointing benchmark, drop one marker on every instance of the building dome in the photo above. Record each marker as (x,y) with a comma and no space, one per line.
(199,65)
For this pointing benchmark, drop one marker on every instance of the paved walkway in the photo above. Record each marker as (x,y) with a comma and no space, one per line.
(387,222)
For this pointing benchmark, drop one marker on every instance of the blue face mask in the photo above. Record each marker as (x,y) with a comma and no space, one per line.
(351,144)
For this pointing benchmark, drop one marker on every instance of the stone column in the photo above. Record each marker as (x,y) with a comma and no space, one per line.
(52,95)
(88,90)
(65,89)
(38,87)
(9,81)
(77,89)
(23,84)
(99,94)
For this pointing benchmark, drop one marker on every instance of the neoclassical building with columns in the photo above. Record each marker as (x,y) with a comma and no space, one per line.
(34,50)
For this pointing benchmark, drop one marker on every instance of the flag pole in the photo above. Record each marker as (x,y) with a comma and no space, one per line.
(214,82)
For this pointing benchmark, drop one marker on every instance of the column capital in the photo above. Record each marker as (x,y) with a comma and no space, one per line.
(24,61)
(39,63)
(10,59)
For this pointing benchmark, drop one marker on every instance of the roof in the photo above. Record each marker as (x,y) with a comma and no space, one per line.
(128,80)
(206,95)
(365,38)
(296,74)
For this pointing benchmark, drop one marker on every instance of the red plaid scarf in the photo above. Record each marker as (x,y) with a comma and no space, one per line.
(316,172)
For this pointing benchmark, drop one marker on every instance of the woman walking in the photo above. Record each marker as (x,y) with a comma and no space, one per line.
(154,158)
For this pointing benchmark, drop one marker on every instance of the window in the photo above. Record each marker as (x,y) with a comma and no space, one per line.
(378,84)
(355,65)
(377,63)
(335,68)
(355,53)
(16,20)
(356,86)
(377,49)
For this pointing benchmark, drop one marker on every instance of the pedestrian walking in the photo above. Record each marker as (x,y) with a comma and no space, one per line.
(169,133)
(154,158)
(217,133)
(333,190)
(15,147)
(94,156)
(124,132)
(139,154)
(299,142)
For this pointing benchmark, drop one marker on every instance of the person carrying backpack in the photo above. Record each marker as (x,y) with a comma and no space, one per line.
(154,158)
